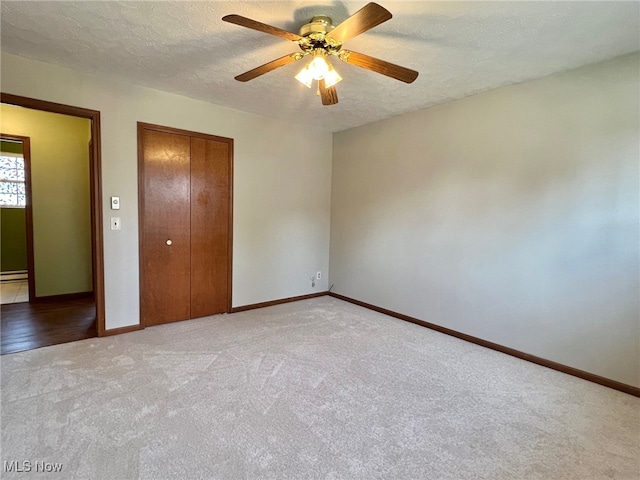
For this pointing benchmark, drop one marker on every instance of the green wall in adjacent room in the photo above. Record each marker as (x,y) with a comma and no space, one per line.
(10,147)
(60,187)
(13,238)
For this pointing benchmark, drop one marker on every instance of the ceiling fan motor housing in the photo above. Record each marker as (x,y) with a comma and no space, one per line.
(315,36)
(317,28)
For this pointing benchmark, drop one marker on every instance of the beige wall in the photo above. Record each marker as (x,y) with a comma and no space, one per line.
(60,196)
(282,183)
(511,215)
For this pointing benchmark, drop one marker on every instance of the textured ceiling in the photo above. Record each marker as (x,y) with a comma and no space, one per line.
(459,48)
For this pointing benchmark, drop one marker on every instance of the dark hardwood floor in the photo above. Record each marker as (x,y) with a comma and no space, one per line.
(26,326)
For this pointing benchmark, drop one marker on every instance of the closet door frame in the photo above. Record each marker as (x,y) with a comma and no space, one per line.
(141,196)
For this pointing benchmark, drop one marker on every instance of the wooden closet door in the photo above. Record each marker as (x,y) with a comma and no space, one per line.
(210,197)
(165,227)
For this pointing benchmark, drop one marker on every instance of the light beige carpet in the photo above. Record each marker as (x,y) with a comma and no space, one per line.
(313,389)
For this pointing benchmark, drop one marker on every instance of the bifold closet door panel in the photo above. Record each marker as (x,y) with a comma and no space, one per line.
(210,197)
(166,288)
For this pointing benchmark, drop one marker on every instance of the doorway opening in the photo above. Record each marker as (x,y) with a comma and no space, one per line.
(50,178)
(14,254)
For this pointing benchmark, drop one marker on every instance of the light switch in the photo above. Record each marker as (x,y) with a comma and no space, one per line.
(115,223)
(115,204)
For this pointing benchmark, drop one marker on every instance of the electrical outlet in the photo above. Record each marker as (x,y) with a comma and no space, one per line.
(319,276)
(115,223)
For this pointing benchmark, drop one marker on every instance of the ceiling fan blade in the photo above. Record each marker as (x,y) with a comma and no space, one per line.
(379,66)
(267,67)
(364,19)
(261,27)
(329,95)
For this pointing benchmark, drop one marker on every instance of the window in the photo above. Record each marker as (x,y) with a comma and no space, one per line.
(12,188)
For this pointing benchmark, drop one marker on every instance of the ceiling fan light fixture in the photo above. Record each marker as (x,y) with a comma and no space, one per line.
(318,69)
(331,77)
(305,76)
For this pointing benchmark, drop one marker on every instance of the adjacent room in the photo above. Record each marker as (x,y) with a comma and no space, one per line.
(47,287)
(320,240)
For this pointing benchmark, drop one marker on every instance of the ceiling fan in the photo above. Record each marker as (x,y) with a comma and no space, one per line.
(319,39)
